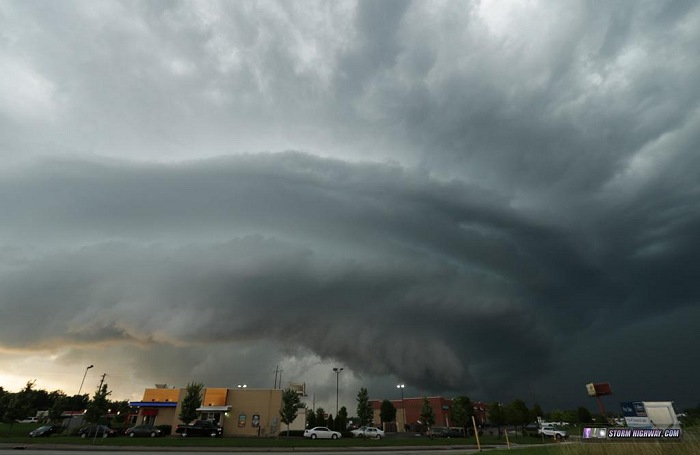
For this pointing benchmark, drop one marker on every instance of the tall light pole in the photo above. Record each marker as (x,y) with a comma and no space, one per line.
(70,419)
(403,406)
(83,381)
(337,373)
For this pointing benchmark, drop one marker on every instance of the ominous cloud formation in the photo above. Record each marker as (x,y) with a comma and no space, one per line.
(497,199)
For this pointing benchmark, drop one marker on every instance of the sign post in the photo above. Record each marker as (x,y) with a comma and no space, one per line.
(597,390)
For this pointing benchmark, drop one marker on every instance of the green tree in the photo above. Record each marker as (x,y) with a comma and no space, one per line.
(98,406)
(584,415)
(690,417)
(290,407)
(517,413)
(364,409)
(311,419)
(121,410)
(570,416)
(462,411)
(60,405)
(341,421)
(535,412)
(497,415)
(556,416)
(192,401)
(14,410)
(330,423)
(4,396)
(427,416)
(387,412)
(320,416)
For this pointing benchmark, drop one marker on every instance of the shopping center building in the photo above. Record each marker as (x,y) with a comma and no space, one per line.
(408,411)
(241,411)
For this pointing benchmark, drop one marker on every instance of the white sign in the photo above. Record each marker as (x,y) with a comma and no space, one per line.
(638,422)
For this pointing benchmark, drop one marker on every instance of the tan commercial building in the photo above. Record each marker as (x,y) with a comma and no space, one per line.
(240,411)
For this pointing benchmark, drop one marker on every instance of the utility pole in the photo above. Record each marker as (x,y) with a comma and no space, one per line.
(99,388)
(278,371)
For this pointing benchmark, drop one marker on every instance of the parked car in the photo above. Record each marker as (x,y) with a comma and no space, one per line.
(531,429)
(368,432)
(321,433)
(554,433)
(44,431)
(357,432)
(200,428)
(101,431)
(456,432)
(29,420)
(143,430)
(437,432)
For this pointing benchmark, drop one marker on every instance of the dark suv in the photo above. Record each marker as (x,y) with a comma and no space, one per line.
(438,432)
(101,431)
(456,432)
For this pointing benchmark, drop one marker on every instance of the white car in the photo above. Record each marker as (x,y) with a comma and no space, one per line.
(553,432)
(358,431)
(321,433)
(373,433)
(29,420)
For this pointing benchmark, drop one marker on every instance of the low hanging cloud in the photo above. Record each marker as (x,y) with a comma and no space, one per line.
(372,264)
(490,198)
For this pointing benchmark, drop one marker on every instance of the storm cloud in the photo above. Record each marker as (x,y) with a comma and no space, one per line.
(498,200)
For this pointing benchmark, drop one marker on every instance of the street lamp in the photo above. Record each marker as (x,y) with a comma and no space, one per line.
(337,373)
(403,406)
(83,381)
(70,419)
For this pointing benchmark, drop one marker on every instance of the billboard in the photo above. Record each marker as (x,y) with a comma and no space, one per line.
(597,389)
(635,415)
(649,414)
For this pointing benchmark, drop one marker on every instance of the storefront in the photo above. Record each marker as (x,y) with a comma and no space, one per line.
(239,411)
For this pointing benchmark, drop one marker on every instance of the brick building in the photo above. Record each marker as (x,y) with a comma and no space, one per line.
(408,412)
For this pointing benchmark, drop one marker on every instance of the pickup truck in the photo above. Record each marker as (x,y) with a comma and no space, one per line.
(199,428)
(553,432)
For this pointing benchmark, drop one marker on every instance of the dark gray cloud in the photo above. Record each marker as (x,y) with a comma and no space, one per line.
(369,264)
(484,195)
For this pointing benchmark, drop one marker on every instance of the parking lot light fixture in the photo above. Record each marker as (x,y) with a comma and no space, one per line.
(83,381)
(337,374)
(403,406)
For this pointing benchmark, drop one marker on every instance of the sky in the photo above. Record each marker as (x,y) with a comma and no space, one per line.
(498,199)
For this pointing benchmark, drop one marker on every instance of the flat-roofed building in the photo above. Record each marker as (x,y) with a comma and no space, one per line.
(240,411)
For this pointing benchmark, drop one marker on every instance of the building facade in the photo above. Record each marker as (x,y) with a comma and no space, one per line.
(408,411)
(240,411)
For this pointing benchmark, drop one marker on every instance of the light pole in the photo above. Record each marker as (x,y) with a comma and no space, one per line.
(337,373)
(83,381)
(70,419)
(403,406)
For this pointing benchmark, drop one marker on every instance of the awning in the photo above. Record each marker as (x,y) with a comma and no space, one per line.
(153,404)
(214,409)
